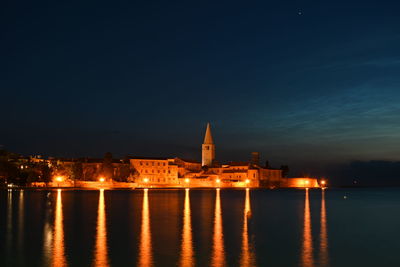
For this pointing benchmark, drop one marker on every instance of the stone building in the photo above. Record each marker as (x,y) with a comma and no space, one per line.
(177,172)
(155,171)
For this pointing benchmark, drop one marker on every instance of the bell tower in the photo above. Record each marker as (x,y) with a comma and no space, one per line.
(207,148)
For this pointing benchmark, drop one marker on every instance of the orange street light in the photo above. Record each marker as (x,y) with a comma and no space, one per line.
(218,180)
(187,180)
(247,181)
(146,180)
(59,179)
(323,182)
(102,179)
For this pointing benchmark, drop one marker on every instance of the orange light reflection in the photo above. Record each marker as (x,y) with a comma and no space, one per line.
(247,257)
(187,259)
(101,254)
(21,221)
(307,253)
(218,253)
(9,221)
(58,259)
(145,249)
(323,246)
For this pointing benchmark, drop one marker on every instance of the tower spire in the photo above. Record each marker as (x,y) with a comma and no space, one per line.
(208,137)
(208,148)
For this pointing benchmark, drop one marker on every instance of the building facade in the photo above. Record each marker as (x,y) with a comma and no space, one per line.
(177,172)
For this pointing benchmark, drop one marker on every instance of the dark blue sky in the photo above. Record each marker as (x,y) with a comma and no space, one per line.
(303,82)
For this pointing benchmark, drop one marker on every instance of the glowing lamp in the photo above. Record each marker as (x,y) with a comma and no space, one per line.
(307,182)
(187,180)
(323,182)
(146,180)
(59,178)
(102,179)
(247,181)
(218,180)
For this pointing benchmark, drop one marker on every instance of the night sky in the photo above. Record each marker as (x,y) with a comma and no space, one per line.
(306,83)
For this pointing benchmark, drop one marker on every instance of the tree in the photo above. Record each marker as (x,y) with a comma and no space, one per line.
(267,164)
(9,172)
(108,168)
(76,171)
(285,170)
(123,173)
(45,172)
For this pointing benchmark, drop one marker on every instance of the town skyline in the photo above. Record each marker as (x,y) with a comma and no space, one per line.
(299,83)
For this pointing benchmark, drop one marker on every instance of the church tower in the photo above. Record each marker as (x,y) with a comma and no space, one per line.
(208,148)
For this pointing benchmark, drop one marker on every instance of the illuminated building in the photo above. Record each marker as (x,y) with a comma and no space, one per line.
(177,172)
(148,172)
(208,148)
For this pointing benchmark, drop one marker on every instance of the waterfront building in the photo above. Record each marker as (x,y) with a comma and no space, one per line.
(178,172)
(154,172)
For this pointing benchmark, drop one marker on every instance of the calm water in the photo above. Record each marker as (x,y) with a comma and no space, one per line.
(334,227)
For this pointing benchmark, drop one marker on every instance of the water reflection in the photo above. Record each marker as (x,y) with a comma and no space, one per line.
(20,218)
(9,220)
(187,259)
(101,254)
(218,253)
(323,247)
(145,248)
(47,234)
(307,253)
(247,257)
(58,258)
(21,226)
